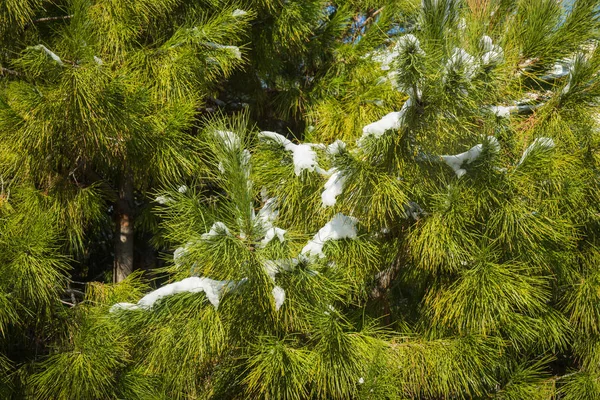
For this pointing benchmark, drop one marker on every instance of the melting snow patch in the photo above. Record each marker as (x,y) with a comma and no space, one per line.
(333,188)
(340,227)
(124,306)
(462,62)
(163,200)
(217,229)
(279,296)
(502,111)
(493,54)
(271,234)
(336,147)
(211,288)
(456,161)
(303,154)
(268,213)
(51,54)
(405,44)
(232,49)
(238,13)
(393,120)
(229,139)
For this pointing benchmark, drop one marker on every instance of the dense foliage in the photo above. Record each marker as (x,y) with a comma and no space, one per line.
(299,199)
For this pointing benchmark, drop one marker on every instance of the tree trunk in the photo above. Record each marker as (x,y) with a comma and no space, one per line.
(123,265)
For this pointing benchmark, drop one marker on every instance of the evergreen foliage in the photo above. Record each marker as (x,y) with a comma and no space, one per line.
(357,199)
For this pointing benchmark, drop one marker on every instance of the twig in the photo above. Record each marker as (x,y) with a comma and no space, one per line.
(6,71)
(67,303)
(366,21)
(47,19)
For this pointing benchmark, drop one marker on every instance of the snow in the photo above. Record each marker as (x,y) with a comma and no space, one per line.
(98,60)
(405,44)
(303,154)
(493,54)
(361,380)
(194,284)
(503,111)
(211,288)
(340,227)
(268,213)
(272,267)
(49,53)
(238,13)
(545,143)
(229,139)
(408,43)
(279,296)
(163,200)
(393,120)
(333,188)
(336,147)
(232,49)
(178,253)
(462,62)
(271,234)
(123,306)
(456,161)
(217,229)
(182,189)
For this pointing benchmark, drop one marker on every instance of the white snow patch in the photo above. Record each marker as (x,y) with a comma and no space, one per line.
(361,380)
(271,234)
(163,200)
(211,288)
(462,62)
(123,306)
(456,161)
(179,253)
(279,296)
(98,60)
(404,44)
(268,213)
(229,139)
(336,147)
(182,189)
(232,49)
(493,54)
(49,53)
(272,267)
(238,13)
(503,111)
(217,229)
(303,154)
(194,284)
(333,188)
(393,120)
(340,227)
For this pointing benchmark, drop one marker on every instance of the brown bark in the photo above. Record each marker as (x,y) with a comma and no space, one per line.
(123,265)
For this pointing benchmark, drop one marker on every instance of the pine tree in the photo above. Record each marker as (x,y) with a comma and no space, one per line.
(104,103)
(446,248)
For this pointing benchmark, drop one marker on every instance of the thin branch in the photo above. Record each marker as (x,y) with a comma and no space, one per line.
(369,18)
(47,19)
(358,29)
(6,71)
(67,303)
